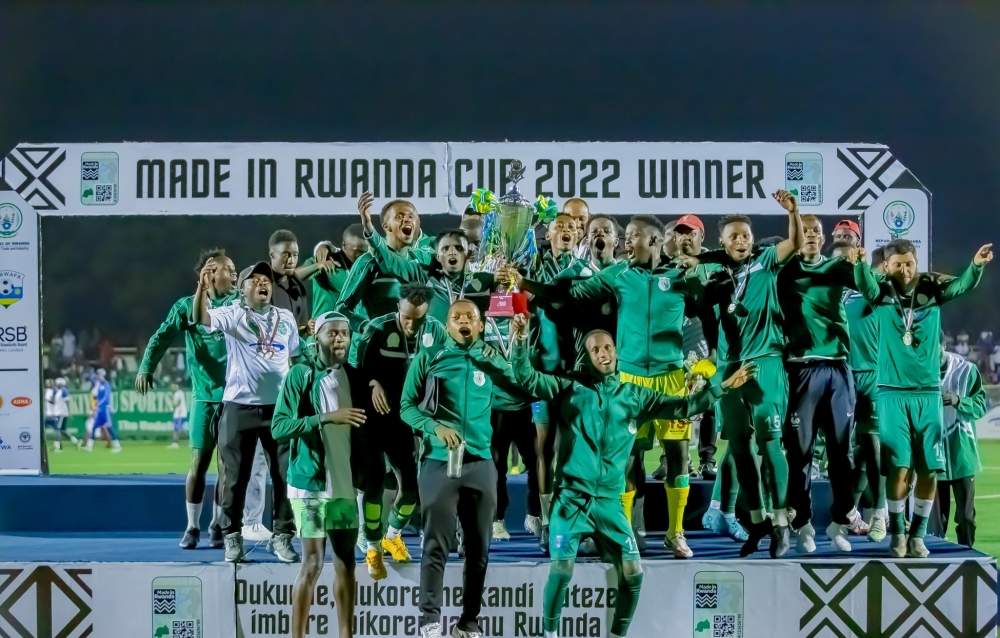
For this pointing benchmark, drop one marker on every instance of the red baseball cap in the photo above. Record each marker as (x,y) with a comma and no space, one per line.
(849,225)
(691,221)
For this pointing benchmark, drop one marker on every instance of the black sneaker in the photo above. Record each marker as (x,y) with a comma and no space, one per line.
(190,539)
(756,533)
(709,471)
(543,540)
(660,473)
(215,538)
(779,541)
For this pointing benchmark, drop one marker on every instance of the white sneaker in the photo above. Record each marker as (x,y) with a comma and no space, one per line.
(432,630)
(916,548)
(500,532)
(116,449)
(806,543)
(533,524)
(173,446)
(858,526)
(838,537)
(876,531)
(256,533)
(897,546)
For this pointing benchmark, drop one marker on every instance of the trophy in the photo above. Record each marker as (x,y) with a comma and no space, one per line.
(510,238)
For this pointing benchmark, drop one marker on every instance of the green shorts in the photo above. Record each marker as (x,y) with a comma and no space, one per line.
(759,406)
(911,424)
(314,517)
(204,426)
(575,515)
(865,412)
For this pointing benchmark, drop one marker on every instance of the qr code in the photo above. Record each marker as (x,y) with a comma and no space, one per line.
(164,601)
(91,170)
(724,626)
(794,171)
(182,629)
(808,193)
(104,192)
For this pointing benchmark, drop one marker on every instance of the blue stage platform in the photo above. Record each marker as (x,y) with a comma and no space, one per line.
(98,556)
(155,503)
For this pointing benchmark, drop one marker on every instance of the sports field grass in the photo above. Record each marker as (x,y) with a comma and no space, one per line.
(149,457)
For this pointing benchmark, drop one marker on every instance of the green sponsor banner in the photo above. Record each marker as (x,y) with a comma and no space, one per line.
(136,416)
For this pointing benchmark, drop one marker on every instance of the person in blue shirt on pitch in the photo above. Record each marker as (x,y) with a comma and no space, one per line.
(101,392)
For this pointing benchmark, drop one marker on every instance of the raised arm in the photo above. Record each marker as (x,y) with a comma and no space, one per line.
(169,330)
(544,387)
(792,245)
(867,285)
(199,304)
(313,267)
(970,278)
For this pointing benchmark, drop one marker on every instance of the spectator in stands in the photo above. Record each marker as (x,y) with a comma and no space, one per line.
(962,345)
(949,342)
(68,346)
(995,361)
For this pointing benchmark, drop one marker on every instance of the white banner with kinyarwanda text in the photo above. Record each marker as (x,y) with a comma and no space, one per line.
(327,178)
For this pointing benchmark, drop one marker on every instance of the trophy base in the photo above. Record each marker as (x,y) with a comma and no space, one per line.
(507,304)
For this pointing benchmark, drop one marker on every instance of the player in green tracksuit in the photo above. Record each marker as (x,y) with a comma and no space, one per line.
(384,353)
(329,282)
(447,398)
(206,364)
(863,327)
(908,307)
(600,416)
(965,402)
(821,386)
(751,330)
(369,286)
(318,415)
(652,299)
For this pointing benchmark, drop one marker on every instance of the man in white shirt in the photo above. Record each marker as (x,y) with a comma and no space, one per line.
(56,410)
(180,413)
(260,343)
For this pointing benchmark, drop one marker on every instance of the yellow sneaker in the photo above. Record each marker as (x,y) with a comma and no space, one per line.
(376,568)
(397,549)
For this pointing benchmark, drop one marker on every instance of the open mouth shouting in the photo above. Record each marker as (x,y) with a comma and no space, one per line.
(600,244)
(406,228)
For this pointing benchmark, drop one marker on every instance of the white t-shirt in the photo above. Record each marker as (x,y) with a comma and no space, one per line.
(336,394)
(252,379)
(62,402)
(50,406)
(180,405)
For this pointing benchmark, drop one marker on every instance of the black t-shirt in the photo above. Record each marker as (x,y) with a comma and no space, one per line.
(290,294)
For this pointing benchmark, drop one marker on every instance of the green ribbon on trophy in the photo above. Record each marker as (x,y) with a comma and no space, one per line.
(509,235)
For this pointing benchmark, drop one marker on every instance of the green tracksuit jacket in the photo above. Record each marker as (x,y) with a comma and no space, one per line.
(651,309)
(600,417)
(296,420)
(205,353)
(453,386)
(372,288)
(914,366)
(474,286)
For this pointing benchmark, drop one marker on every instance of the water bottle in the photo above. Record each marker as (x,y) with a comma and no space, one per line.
(455,457)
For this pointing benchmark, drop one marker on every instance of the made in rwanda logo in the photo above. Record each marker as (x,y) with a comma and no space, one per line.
(898,217)
(11,287)
(10,220)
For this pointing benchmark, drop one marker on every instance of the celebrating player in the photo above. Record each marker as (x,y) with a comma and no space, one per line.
(206,364)
(384,353)
(260,343)
(335,263)
(908,306)
(316,414)
(600,414)
(821,397)
(863,327)
(447,398)
(369,291)
(751,331)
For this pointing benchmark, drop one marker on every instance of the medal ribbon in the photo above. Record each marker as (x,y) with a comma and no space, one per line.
(742,287)
(265,347)
(506,348)
(906,315)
